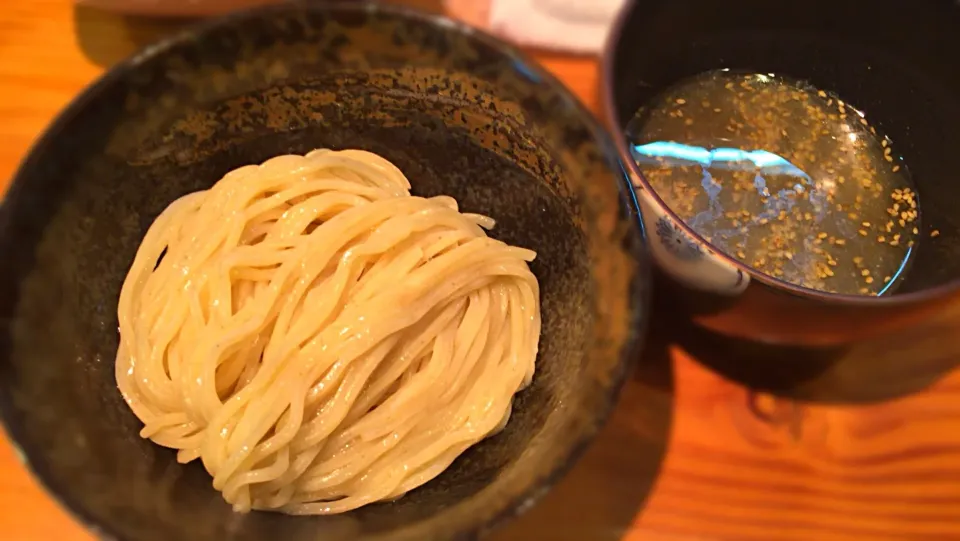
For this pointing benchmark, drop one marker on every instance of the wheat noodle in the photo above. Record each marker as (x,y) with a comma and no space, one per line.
(319,338)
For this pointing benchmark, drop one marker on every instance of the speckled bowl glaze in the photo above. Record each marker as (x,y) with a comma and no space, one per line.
(888,58)
(459,112)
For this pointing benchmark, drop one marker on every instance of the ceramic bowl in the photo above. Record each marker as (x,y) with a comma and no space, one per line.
(460,113)
(889,59)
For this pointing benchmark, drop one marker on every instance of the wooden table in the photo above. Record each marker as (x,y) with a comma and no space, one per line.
(687,456)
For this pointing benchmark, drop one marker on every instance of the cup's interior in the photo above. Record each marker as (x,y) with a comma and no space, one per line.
(893,60)
(453,111)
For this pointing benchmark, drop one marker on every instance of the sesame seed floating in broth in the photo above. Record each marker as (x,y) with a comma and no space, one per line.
(787,178)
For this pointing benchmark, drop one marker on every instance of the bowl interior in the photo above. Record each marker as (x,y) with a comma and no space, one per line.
(887,58)
(456,112)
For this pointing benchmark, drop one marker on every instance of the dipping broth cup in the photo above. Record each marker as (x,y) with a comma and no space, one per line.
(889,59)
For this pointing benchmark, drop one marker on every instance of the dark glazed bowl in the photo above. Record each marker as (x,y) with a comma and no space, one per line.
(459,112)
(892,59)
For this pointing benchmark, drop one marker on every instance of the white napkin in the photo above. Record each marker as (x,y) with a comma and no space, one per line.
(578,26)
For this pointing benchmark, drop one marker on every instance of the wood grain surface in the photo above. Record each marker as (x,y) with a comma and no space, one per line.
(687,456)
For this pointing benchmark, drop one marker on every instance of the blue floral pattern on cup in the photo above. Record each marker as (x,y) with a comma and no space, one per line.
(684,258)
(676,241)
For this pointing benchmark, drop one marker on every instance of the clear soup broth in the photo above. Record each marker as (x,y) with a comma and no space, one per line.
(787,178)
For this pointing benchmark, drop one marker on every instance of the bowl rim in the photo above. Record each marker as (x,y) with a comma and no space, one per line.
(611,111)
(639,291)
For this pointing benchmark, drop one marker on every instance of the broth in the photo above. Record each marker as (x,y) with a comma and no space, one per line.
(786,178)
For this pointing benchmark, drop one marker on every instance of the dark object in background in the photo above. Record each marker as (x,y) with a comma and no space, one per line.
(891,60)
(459,112)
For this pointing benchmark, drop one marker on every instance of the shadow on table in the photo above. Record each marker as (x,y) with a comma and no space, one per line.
(871,372)
(107,38)
(604,493)
(883,368)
